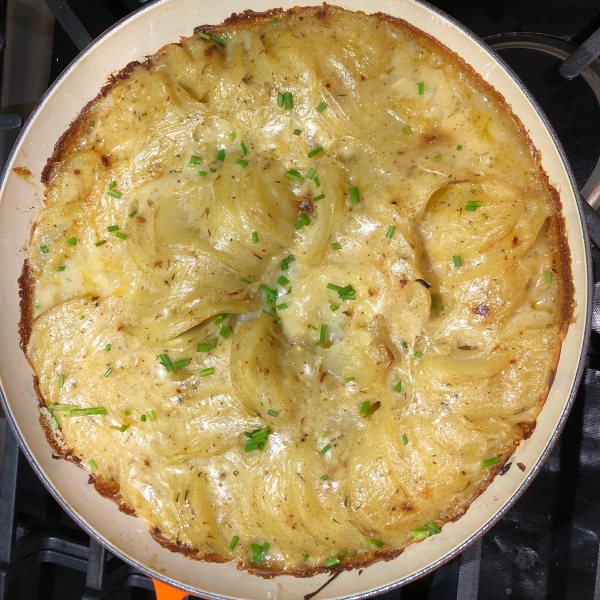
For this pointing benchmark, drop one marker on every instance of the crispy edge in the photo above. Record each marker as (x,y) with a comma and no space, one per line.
(245,20)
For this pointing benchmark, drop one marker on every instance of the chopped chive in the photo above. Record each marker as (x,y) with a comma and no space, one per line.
(243,163)
(93,465)
(280,100)
(283,280)
(214,342)
(291,174)
(345,293)
(233,135)
(421,87)
(310,173)
(112,228)
(37,307)
(303,219)
(121,236)
(126,412)
(548,276)
(44,249)
(336,246)
(143,418)
(420,533)
(244,148)
(324,450)
(101,243)
(203,348)
(281,306)
(202,174)
(108,372)
(418,354)
(221,155)
(212,170)
(436,159)
(457,261)
(195,137)
(112,184)
(331,561)
(166,362)
(107,347)
(407,130)
(272,413)
(398,387)
(376,543)
(271,294)
(61,268)
(288,101)
(433,302)
(354,196)
(315,152)
(245,280)
(312,327)
(114,194)
(364,409)
(270,314)
(433,528)
(305,558)
(459,147)
(221,318)
(324,477)
(259,552)
(390,231)
(404,345)
(82,317)
(322,333)
(234,540)
(55,422)
(225,331)
(489,462)
(255,237)
(404,439)
(236,473)
(151,415)
(256,439)
(317,198)
(333,307)
(184,362)
(220,39)
(323,434)
(195,161)
(322,106)
(207,372)
(132,214)
(297,132)
(61,381)
(317,182)
(285,263)
(72,241)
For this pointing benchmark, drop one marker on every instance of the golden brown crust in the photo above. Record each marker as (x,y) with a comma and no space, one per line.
(82,124)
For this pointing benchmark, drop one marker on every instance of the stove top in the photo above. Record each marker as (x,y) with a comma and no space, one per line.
(547,546)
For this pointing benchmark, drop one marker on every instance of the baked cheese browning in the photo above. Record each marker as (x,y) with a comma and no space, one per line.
(309,271)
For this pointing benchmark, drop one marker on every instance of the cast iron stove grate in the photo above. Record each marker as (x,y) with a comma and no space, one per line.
(547,546)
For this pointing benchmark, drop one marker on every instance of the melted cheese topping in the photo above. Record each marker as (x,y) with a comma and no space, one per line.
(446,344)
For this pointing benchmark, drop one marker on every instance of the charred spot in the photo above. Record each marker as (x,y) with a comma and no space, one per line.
(306,204)
(374,407)
(406,507)
(248,79)
(105,160)
(424,283)
(551,377)
(521,466)
(141,219)
(515,241)
(482,310)
(209,50)
(528,429)
(505,468)
(323,375)
(94,298)
(77,172)
(232,293)
(158,263)
(362,77)
(322,12)
(327,85)
(430,138)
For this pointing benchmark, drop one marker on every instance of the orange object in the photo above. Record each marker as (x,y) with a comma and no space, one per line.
(166,592)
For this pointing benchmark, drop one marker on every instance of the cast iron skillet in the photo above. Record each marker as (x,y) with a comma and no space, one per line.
(21,196)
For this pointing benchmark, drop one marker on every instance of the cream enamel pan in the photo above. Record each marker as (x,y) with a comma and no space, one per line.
(21,197)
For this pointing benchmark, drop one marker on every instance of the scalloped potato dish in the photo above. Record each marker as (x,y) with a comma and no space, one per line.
(297,292)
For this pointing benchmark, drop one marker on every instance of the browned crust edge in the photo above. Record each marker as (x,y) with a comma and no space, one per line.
(244,20)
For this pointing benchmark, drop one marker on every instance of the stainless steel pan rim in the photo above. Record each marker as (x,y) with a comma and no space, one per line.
(532,473)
